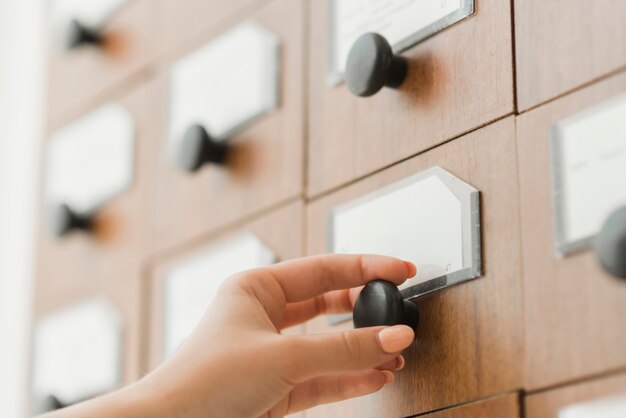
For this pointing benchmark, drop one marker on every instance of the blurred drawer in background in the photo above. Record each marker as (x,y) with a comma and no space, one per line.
(95,194)
(457,80)
(230,116)
(182,286)
(561,45)
(501,407)
(469,340)
(601,398)
(573,308)
(94,45)
(86,340)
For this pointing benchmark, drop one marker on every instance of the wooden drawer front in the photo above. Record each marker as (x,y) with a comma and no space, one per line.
(572,307)
(469,341)
(266,163)
(120,235)
(124,296)
(280,233)
(561,45)
(457,80)
(548,404)
(83,74)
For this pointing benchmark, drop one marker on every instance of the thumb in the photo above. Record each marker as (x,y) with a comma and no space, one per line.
(359,349)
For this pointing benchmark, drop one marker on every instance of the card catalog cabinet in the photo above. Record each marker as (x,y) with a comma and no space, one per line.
(562,45)
(74,175)
(94,47)
(469,340)
(264,163)
(273,237)
(457,80)
(572,307)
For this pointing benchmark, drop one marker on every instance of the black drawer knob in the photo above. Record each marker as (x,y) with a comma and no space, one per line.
(381,303)
(371,65)
(78,35)
(610,244)
(198,148)
(51,403)
(63,220)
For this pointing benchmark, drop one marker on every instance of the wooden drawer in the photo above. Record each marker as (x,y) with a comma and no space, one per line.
(121,234)
(469,341)
(548,404)
(265,167)
(280,232)
(457,80)
(80,76)
(561,45)
(123,295)
(572,307)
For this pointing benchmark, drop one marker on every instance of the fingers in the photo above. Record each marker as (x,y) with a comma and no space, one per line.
(337,301)
(366,348)
(336,388)
(393,365)
(308,277)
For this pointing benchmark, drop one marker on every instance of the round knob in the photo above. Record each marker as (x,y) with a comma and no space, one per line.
(381,303)
(63,220)
(197,148)
(77,35)
(371,65)
(610,244)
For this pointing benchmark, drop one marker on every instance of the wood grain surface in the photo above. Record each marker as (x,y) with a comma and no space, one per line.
(469,343)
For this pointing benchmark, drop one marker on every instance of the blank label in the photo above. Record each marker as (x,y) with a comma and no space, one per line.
(226,84)
(77,352)
(402,22)
(589,168)
(190,286)
(431,219)
(603,408)
(91,161)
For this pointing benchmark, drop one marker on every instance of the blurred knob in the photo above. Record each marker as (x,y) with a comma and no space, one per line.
(63,220)
(50,403)
(610,244)
(371,65)
(381,303)
(78,35)
(198,148)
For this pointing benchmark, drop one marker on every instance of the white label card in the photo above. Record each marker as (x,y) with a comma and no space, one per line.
(589,171)
(431,219)
(614,407)
(92,160)
(77,352)
(226,84)
(190,285)
(402,22)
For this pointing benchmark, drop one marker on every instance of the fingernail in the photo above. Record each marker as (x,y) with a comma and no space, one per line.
(410,268)
(395,339)
(388,376)
(400,363)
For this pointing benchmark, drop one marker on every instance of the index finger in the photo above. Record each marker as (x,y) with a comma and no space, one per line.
(304,278)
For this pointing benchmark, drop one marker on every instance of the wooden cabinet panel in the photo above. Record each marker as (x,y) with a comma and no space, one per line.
(457,80)
(469,342)
(79,77)
(502,407)
(547,404)
(266,167)
(561,45)
(281,231)
(572,308)
(121,236)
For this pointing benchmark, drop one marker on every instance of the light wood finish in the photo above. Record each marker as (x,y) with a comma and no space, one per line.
(469,342)
(281,231)
(573,310)
(457,80)
(267,164)
(547,404)
(122,235)
(563,44)
(502,407)
(80,77)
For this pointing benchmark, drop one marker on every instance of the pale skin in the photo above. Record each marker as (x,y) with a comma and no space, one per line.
(238,364)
